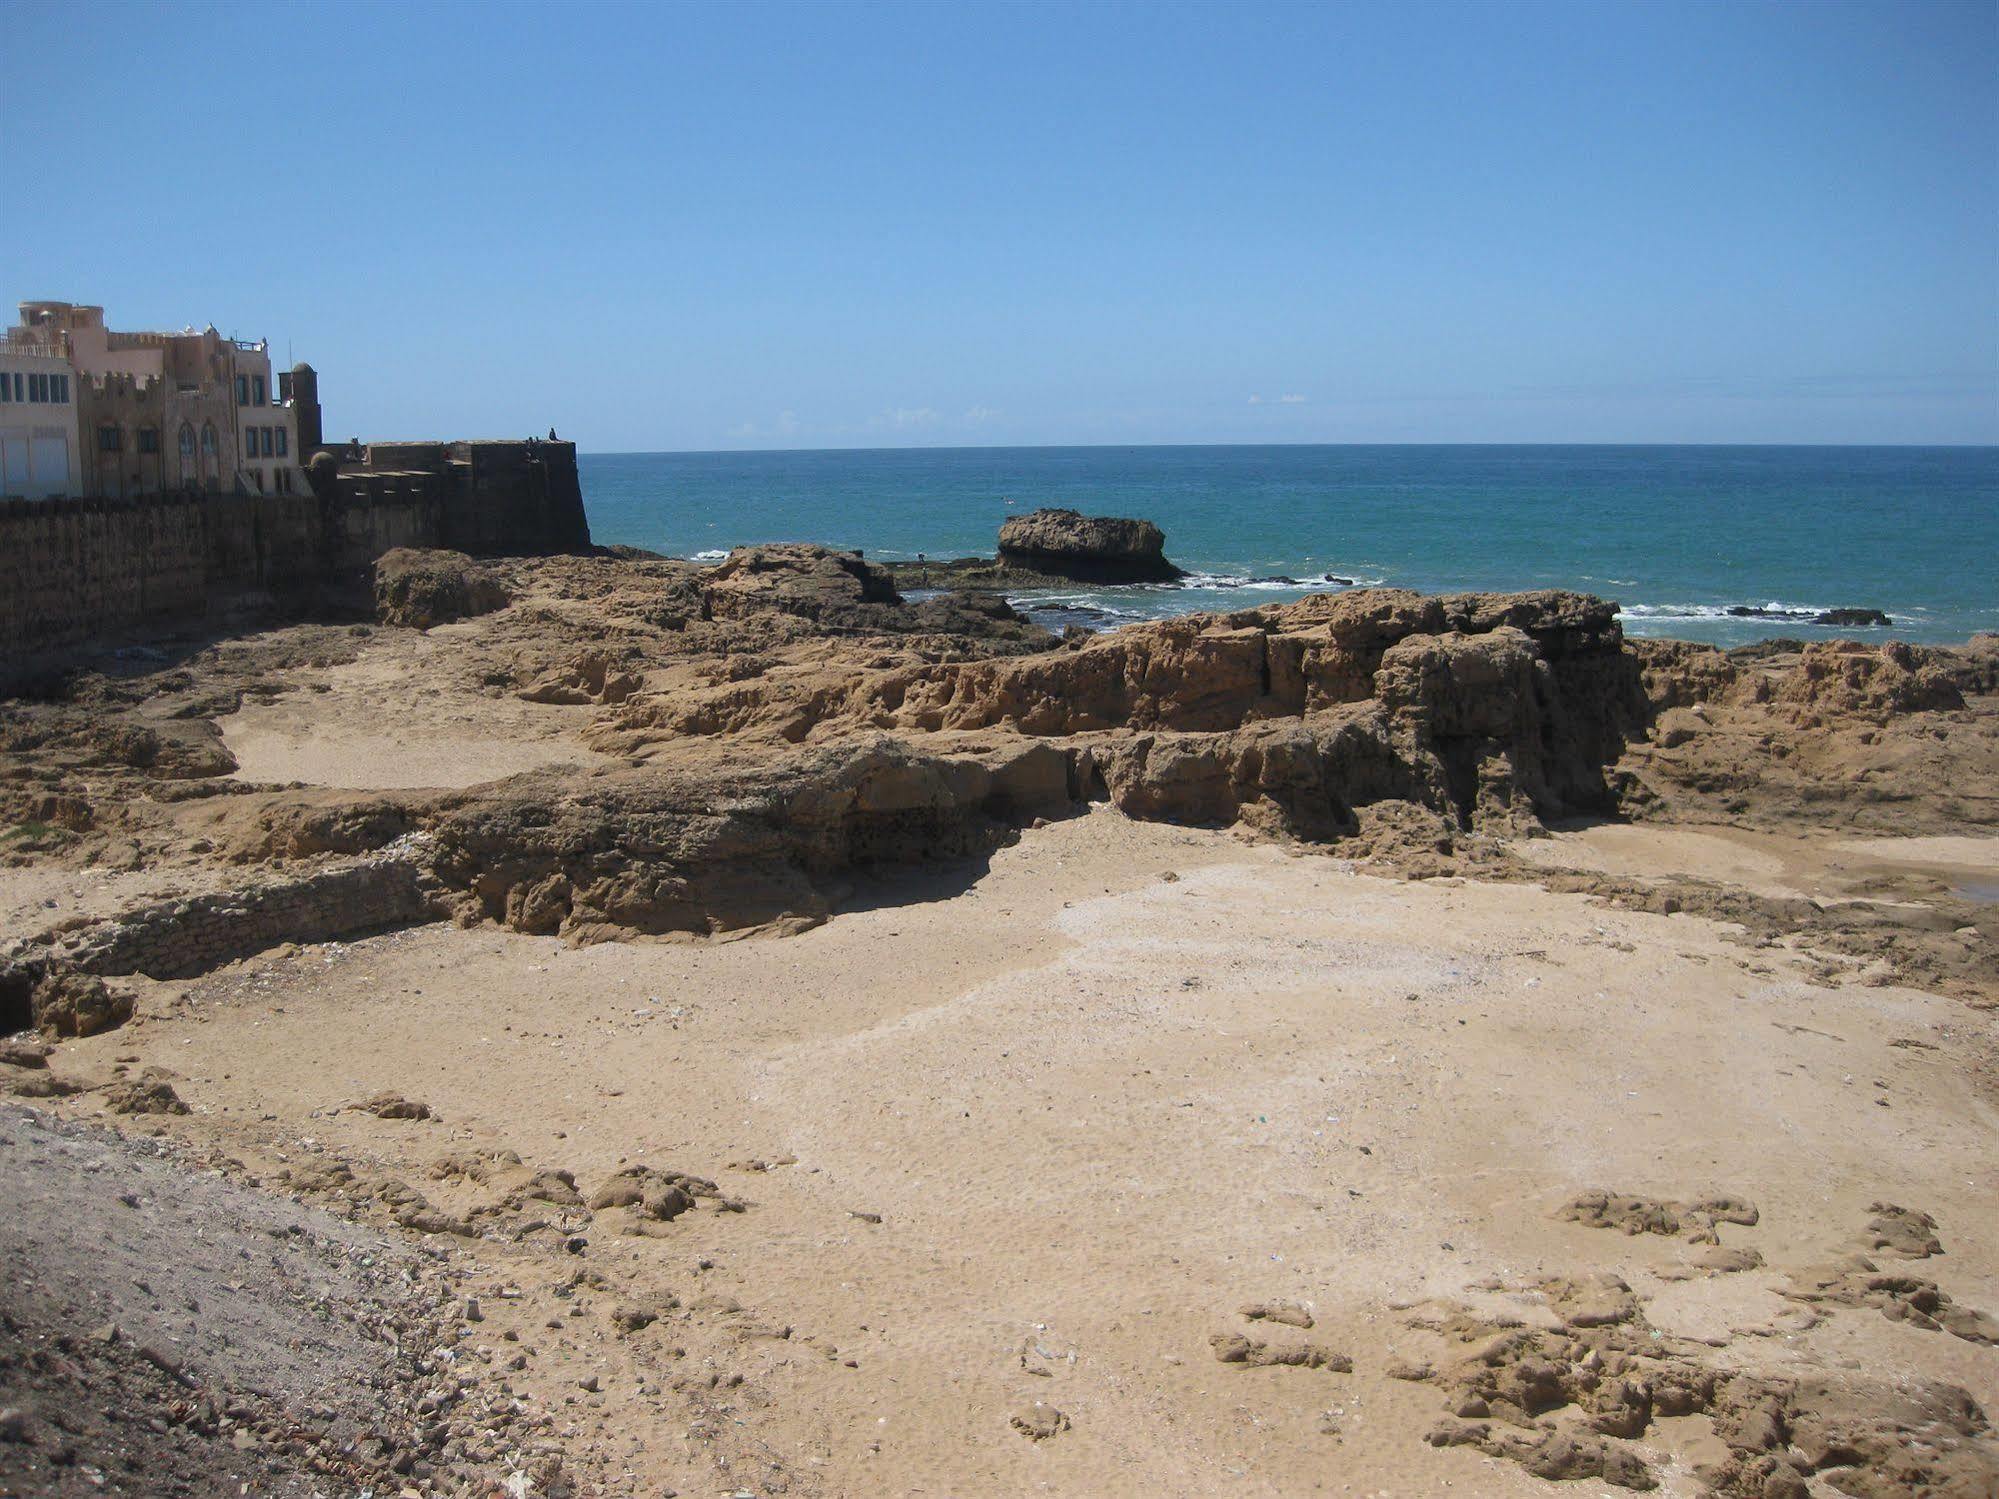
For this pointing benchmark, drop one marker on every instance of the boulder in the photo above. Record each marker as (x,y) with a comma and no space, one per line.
(148,1093)
(77,1004)
(813,582)
(424,588)
(1089,548)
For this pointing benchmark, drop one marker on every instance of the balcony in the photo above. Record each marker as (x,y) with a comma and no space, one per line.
(47,347)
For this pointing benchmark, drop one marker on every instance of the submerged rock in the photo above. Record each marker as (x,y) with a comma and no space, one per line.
(1872,618)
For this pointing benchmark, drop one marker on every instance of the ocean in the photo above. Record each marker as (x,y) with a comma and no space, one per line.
(1676,535)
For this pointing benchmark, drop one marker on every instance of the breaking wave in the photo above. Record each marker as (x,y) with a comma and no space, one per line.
(1278,583)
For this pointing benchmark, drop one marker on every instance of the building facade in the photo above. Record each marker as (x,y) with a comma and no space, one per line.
(39,452)
(144,413)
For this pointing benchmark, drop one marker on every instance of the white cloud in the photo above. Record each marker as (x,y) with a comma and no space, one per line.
(1256,400)
(978,415)
(1292,400)
(786,425)
(910,416)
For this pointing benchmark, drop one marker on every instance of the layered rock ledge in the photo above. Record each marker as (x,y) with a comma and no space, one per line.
(761,733)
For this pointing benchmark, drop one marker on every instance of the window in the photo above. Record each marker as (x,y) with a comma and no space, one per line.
(38,387)
(208,444)
(249,442)
(17,387)
(257,389)
(107,439)
(268,443)
(186,440)
(149,439)
(284,442)
(242,390)
(62,389)
(6,390)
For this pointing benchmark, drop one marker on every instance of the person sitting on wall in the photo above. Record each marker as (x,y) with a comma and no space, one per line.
(551,435)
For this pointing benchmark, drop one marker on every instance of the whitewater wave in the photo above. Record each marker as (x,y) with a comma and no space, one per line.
(1087,604)
(713,554)
(1779,613)
(1282,584)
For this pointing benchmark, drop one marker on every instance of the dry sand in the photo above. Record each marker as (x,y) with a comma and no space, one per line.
(394,720)
(1126,1080)
(1014,1138)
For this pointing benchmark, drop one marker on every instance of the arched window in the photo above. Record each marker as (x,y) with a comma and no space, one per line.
(208,437)
(186,440)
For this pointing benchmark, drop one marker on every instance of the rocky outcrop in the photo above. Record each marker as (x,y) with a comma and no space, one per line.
(649,852)
(591,677)
(193,934)
(1479,712)
(77,1004)
(1884,737)
(813,581)
(424,588)
(786,719)
(1485,708)
(1846,618)
(841,593)
(1088,548)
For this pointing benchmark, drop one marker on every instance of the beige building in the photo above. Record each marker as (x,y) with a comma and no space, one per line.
(39,452)
(149,412)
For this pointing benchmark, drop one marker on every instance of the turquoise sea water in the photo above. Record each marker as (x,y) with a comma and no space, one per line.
(1675,534)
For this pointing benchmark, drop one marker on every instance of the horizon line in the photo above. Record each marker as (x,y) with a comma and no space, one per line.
(1058,446)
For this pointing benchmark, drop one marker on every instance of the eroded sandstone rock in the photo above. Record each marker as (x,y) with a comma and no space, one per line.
(421,588)
(647,852)
(1090,548)
(78,1004)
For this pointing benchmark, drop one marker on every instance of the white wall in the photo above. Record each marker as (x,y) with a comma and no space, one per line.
(39,452)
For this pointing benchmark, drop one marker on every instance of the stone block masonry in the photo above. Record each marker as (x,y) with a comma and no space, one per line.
(75,572)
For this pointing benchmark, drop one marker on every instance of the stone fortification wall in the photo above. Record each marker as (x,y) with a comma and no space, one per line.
(67,565)
(78,571)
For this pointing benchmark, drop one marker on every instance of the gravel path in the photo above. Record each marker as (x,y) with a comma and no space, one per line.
(164,1330)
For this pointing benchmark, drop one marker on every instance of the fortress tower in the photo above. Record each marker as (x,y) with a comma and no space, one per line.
(300,390)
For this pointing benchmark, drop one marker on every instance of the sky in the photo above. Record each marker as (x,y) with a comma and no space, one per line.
(757,226)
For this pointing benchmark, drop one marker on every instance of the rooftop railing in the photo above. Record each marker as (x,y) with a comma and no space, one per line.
(57,348)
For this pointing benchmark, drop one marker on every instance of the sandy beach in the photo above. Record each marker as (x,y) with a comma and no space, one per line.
(1123,1156)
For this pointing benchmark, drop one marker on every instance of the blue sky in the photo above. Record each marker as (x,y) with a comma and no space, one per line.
(829,226)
